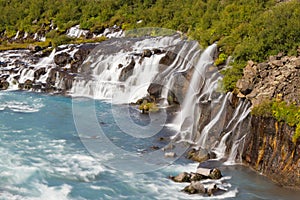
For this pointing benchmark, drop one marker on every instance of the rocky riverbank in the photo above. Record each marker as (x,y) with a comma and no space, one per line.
(269,147)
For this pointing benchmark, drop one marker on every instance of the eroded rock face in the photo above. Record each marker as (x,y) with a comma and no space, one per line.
(269,149)
(280,76)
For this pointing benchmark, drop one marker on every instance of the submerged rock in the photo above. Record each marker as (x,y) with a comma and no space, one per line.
(199,155)
(183,177)
(170,155)
(195,187)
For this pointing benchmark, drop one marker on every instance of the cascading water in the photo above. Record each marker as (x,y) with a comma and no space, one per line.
(122,69)
(203,117)
(124,75)
(187,114)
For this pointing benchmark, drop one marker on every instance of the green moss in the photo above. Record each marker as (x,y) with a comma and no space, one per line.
(282,112)
(296,136)
(264,109)
(232,75)
(148,107)
(92,40)
(23,45)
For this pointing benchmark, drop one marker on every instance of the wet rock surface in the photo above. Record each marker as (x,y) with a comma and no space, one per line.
(36,71)
(269,150)
(196,185)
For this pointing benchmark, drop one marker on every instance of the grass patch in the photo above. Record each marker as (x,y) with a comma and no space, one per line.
(54,42)
(4,46)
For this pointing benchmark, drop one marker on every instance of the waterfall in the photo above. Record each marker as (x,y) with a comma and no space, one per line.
(207,118)
(184,121)
(124,70)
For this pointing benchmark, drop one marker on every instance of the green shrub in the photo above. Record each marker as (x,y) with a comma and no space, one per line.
(221,59)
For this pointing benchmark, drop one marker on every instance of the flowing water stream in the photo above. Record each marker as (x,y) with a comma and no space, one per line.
(96,146)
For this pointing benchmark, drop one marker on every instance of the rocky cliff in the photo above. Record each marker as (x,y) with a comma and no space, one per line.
(269,147)
(279,77)
(269,150)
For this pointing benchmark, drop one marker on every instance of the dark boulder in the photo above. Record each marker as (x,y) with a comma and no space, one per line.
(39,72)
(155,89)
(146,53)
(168,59)
(28,84)
(80,56)
(183,177)
(199,155)
(195,187)
(62,59)
(3,84)
(157,51)
(215,174)
(127,71)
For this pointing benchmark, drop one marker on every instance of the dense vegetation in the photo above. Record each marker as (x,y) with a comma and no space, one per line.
(282,112)
(244,29)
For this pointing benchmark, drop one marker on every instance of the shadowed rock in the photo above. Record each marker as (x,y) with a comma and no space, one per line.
(127,71)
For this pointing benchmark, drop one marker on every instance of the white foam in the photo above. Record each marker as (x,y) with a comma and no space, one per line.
(76,32)
(52,193)
(22,107)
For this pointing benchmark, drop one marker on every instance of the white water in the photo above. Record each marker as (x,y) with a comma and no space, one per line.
(202,142)
(105,72)
(76,32)
(187,114)
(102,81)
(19,64)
